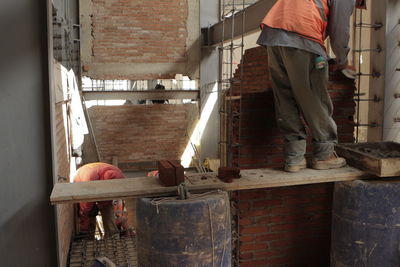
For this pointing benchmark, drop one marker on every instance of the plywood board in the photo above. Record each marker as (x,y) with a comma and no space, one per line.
(151,187)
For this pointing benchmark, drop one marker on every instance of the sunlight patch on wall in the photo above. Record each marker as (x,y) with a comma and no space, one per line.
(199,129)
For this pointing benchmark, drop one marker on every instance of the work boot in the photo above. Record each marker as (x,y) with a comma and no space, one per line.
(295,167)
(332,162)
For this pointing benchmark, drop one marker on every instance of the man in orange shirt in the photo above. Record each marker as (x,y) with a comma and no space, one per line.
(294,33)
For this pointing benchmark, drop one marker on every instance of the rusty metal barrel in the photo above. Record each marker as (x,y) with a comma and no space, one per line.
(366,224)
(189,232)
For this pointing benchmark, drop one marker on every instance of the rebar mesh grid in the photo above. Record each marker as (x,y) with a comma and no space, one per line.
(121,251)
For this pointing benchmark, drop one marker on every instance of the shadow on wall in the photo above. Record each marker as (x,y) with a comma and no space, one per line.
(19,233)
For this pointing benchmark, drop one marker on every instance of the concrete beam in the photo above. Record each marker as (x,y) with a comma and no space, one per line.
(252,17)
(134,71)
(141,95)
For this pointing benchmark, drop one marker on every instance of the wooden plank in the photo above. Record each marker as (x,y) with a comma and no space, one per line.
(150,186)
(268,178)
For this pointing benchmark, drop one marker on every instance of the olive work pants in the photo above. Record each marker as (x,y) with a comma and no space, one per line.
(301,90)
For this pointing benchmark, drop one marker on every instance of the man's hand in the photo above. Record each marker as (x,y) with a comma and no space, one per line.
(336,67)
(349,71)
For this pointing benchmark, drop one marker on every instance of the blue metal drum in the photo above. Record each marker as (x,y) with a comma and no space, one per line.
(366,224)
(190,232)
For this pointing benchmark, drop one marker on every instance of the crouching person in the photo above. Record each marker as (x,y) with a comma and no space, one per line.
(89,210)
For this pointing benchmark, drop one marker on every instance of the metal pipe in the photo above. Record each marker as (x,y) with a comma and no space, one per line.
(378,50)
(375,26)
(372,125)
(374,74)
(375,99)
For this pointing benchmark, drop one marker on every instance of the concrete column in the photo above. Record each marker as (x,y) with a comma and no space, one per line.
(391,122)
(209,73)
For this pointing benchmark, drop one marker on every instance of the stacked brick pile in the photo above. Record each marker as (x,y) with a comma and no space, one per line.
(287,226)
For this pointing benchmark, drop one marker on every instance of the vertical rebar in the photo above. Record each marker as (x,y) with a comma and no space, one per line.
(359,78)
(222,109)
(230,91)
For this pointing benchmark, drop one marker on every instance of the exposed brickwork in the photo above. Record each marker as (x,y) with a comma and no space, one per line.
(261,140)
(139,31)
(63,168)
(65,212)
(288,226)
(142,133)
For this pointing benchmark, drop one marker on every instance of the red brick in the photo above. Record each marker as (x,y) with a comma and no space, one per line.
(290,218)
(243,222)
(254,263)
(284,210)
(283,227)
(247,238)
(253,230)
(270,237)
(244,206)
(286,191)
(267,253)
(246,256)
(267,203)
(252,194)
(166,173)
(294,201)
(253,247)
(253,213)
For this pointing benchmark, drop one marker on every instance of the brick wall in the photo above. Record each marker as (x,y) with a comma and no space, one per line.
(261,140)
(287,226)
(65,212)
(140,39)
(142,133)
(139,31)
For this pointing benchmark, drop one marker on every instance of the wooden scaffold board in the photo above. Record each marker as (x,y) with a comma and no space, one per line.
(151,187)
